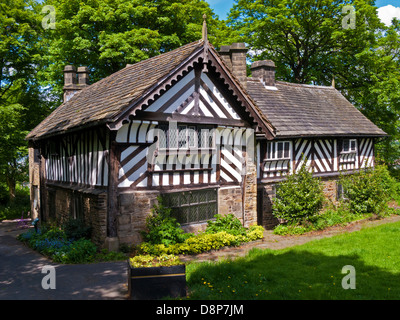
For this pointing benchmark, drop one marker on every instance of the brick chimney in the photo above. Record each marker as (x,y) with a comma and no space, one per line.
(265,71)
(74,80)
(234,57)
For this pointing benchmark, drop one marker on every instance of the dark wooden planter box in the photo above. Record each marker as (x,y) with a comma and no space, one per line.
(156,282)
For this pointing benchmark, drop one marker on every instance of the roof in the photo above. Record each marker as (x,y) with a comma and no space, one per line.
(291,110)
(111,98)
(307,110)
(105,99)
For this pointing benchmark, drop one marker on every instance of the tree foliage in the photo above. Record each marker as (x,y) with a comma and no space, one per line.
(105,35)
(312,42)
(22,103)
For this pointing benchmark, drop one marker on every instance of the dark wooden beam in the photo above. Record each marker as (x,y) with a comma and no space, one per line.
(155,116)
(113,165)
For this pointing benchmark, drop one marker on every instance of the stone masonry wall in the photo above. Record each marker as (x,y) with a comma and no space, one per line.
(250,196)
(230,201)
(93,208)
(134,208)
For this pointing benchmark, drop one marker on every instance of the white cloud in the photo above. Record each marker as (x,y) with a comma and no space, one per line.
(387,13)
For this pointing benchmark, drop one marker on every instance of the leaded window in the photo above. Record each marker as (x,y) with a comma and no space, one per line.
(186,137)
(192,206)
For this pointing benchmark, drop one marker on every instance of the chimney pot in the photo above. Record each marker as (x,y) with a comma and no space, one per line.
(83,75)
(265,71)
(74,80)
(69,75)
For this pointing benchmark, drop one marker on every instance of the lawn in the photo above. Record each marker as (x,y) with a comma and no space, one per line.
(309,271)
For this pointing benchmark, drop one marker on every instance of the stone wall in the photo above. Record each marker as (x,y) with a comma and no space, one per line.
(74,202)
(134,207)
(265,198)
(230,198)
(250,195)
(330,189)
(230,201)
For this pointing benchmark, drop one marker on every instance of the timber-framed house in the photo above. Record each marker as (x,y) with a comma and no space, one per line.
(190,126)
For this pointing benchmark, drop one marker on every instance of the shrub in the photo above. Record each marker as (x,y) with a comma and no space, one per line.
(203,242)
(54,243)
(299,197)
(13,210)
(254,233)
(79,251)
(368,190)
(228,223)
(162,228)
(164,260)
(206,242)
(77,229)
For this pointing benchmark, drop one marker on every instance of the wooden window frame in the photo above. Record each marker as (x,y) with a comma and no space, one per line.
(350,149)
(272,152)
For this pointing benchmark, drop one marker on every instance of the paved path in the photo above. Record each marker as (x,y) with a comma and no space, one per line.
(21,274)
(21,268)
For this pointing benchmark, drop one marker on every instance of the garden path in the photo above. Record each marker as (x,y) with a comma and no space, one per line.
(21,274)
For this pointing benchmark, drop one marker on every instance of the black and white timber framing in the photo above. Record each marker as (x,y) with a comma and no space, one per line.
(324,156)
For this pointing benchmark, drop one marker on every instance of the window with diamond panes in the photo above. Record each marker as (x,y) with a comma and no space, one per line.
(192,206)
(184,137)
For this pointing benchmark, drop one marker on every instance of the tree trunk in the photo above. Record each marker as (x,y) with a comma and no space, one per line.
(11,188)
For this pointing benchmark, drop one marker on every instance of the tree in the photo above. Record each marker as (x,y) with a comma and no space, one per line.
(105,35)
(379,97)
(305,37)
(20,97)
(312,42)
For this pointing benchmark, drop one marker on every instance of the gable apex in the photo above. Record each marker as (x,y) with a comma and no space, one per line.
(117,98)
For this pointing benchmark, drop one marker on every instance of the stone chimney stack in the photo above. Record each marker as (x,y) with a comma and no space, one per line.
(74,80)
(225,53)
(234,57)
(265,71)
(238,58)
(83,76)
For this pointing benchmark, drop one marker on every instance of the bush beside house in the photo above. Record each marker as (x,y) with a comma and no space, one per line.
(299,200)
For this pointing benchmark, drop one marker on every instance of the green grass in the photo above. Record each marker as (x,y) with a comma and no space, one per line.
(309,271)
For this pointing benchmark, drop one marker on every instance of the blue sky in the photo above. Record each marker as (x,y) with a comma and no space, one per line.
(222,7)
